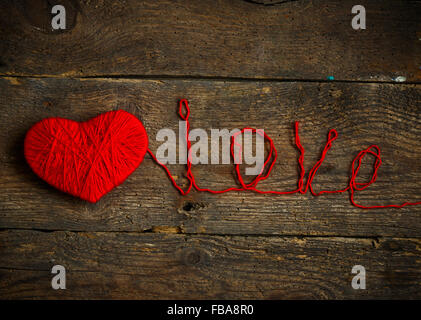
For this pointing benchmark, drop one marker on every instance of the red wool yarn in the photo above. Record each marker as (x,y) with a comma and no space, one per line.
(90,158)
(302,187)
(86,159)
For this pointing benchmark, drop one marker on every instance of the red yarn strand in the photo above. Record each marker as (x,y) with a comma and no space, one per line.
(353,185)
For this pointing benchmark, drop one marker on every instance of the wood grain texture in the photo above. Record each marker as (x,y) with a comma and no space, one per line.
(363,114)
(292,40)
(152,266)
(145,241)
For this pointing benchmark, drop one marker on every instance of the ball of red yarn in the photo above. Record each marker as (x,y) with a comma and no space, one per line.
(86,159)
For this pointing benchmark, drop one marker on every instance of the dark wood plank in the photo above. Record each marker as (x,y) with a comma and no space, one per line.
(293,40)
(151,266)
(363,114)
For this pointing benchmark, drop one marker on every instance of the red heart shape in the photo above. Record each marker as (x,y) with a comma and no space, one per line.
(86,159)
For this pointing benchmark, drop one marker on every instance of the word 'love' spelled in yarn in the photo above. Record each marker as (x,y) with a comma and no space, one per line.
(267,167)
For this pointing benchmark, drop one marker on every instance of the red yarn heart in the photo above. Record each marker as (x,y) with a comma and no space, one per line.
(86,159)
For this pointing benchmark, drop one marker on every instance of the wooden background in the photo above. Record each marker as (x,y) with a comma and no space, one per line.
(240,63)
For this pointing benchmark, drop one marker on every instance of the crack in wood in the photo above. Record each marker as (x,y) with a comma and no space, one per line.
(163,77)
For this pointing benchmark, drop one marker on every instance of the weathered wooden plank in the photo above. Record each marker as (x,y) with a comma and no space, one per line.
(293,40)
(151,266)
(363,114)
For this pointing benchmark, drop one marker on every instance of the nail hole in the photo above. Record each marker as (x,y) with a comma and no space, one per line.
(188,206)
